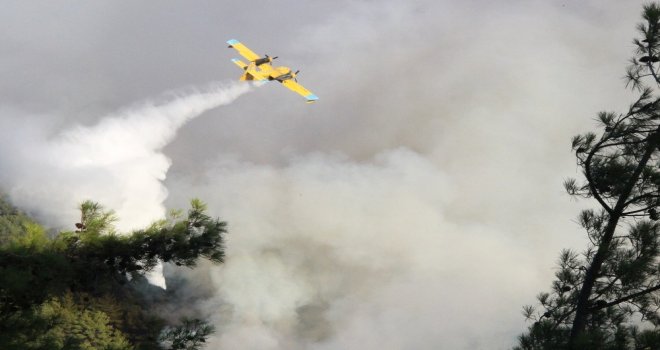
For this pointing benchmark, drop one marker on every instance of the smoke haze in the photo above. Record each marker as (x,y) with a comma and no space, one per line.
(348,255)
(418,204)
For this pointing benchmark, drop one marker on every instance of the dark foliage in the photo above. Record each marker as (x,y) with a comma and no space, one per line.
(92,274)
(606,297)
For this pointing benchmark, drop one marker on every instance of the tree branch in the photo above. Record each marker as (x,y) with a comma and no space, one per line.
(626,298)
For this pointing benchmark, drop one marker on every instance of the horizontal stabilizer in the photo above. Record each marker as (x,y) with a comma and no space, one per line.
(239,63)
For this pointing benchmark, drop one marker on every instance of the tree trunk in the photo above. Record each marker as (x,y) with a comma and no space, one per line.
(590,277)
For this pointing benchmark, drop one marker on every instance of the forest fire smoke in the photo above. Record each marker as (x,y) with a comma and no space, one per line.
(118,161)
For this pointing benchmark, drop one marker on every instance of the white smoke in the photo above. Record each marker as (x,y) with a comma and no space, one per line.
(328,253)
(117,162)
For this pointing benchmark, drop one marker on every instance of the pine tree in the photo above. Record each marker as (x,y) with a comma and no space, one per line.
(607,297)
(191,334)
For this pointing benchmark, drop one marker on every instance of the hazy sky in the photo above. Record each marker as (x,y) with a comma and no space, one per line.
(418,204)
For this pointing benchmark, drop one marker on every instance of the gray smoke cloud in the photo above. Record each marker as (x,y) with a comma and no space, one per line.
(344,254)
(418,204)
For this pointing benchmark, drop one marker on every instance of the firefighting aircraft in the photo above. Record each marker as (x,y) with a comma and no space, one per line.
(259,69)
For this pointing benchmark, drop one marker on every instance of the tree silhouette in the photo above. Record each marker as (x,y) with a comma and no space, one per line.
(602,297)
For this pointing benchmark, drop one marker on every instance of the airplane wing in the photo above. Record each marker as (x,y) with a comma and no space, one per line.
(243,50)
(300,90)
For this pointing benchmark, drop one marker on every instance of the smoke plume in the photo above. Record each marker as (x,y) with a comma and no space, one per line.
(118,161)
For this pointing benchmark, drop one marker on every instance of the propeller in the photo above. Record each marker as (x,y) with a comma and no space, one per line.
(294,75)
(272,57)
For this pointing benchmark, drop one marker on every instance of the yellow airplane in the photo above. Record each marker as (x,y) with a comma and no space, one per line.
(259,69)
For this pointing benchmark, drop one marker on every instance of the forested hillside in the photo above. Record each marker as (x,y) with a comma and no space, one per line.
(85,289)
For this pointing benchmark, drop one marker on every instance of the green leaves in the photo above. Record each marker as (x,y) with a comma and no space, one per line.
(94,219)
(66,287)
(60,323)
(18,229)
(181,242)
